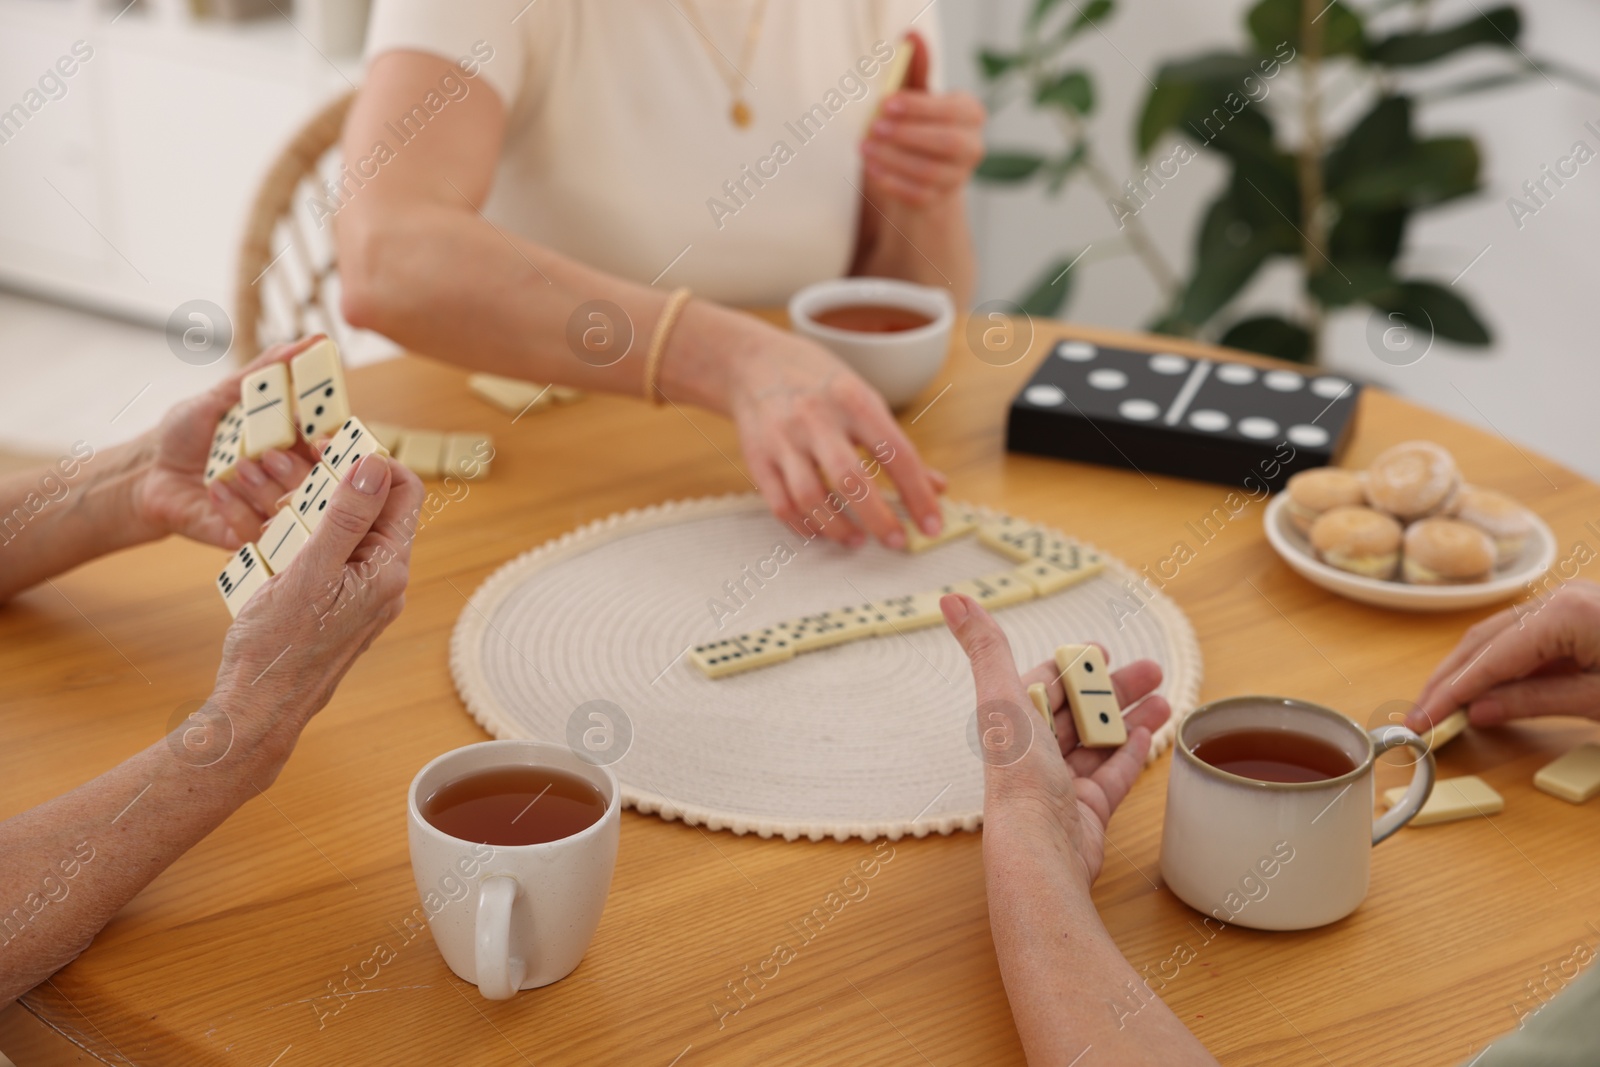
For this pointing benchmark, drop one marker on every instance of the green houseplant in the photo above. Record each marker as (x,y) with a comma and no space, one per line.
(1337,203)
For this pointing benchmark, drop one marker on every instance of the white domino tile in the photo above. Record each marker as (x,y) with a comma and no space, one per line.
(1258,427)
(1283,381)
(1107,378)
(312,498)
(1044,396)
(1076,351)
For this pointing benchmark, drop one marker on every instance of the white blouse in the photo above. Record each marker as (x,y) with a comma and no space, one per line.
(620,150)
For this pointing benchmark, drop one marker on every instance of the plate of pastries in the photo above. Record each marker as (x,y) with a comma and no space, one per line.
(1408,532)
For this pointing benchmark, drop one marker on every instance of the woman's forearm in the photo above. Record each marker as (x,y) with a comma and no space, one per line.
(1069,985)
(55,518)
(446,283)
(929,245)
(72,862)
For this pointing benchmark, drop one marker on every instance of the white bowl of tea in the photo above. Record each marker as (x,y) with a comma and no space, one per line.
(894,334)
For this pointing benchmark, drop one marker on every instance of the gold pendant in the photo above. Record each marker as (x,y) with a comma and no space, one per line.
(740,114)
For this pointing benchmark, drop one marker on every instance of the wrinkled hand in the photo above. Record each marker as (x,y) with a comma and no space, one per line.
(1543,662)
(172,497)
(1029,788)
(924,146)
(801,415)
(301,631)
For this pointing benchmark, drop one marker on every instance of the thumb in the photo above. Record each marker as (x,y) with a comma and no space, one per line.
(994,669)
(917,73)
(355,504)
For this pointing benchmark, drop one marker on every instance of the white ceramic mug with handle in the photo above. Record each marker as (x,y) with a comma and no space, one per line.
(510,917)
(1279,855)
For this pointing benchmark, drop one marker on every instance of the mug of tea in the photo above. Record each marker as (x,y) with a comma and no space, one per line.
(512,847)
(894,334)
(1269,811)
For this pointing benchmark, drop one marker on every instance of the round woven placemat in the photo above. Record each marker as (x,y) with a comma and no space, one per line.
(583,641)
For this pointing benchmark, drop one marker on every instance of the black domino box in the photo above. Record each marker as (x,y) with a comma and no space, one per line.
(1214,420)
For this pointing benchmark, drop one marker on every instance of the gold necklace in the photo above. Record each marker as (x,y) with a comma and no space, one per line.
(739,112)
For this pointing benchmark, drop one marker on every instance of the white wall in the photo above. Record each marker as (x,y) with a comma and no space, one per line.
(1538,384)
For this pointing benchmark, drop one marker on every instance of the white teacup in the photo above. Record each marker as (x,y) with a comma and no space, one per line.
(1279,855)
(525,913)
(899,364)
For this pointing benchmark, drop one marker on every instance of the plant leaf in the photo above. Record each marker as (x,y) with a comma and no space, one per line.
(1368,235)
(1425,304)
(1431,172)
(1270,336)
(1498,28)
(995,64)
(1205,100)
(1041,11)
(1381,134)
(1008,166)
(1163,109)
(1090,14)
(1234,241)
(1050,290)
(1349,281)
(1273,22)
(1071,91)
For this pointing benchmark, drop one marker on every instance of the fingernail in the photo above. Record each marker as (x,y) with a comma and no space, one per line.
(894,105)
(279,465)
(931,525)
(370,473)
(954,608)
(883,128)
(251,474)
(896,539)
(856,540)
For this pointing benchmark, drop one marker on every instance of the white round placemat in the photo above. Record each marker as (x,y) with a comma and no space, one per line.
(583,641)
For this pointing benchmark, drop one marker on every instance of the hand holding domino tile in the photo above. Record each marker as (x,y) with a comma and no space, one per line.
(1043,799)
(346,582)
(1521,663)
(197,482)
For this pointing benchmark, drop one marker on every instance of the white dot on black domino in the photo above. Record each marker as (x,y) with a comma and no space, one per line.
(1168,363)
(1236,374)
(1258,427)
(1076,351)
(1044,396)
(1139,409)
(1330,388)
(1308,436)
(1283,381)
(1107,378)
(1209,419)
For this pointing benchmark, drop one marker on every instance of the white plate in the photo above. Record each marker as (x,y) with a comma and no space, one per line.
(1506,582)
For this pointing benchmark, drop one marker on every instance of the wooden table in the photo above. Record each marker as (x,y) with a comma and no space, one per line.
(230,956)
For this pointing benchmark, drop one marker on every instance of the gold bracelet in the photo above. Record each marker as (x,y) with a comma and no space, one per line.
(658,342)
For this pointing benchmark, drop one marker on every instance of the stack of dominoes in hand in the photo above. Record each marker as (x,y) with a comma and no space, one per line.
(277,406)
(1046,563)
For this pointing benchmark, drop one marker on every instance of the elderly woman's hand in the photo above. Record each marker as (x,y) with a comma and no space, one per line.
(301,631)
(170,495)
